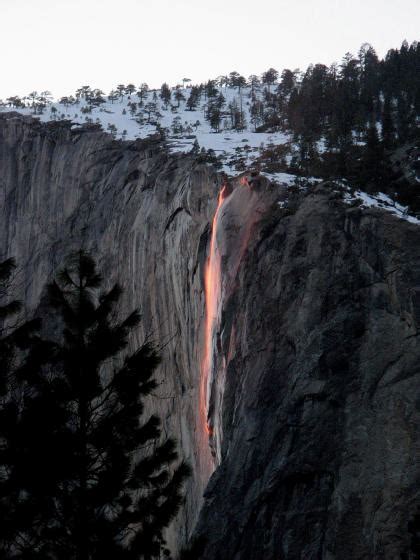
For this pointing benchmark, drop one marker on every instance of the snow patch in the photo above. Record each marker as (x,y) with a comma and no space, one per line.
(183,128)
(281,178)
(383,201)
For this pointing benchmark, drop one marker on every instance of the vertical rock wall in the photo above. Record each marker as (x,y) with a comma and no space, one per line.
(313,401)
(320,455)
(145,216)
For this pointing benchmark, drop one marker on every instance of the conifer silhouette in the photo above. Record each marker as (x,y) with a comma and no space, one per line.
(19,345)
(95,481)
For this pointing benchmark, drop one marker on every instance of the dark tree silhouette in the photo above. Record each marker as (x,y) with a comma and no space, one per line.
(269,77)
(165,94)
(8,308)
(194,98)
(414,532)
(96,481)
(19,343)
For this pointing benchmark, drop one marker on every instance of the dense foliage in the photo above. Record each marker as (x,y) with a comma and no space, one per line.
(361,110)
(84,476)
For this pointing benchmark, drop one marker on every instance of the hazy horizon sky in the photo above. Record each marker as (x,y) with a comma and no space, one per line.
(59,45)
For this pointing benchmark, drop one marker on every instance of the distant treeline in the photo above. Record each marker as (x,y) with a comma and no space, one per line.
(346,120)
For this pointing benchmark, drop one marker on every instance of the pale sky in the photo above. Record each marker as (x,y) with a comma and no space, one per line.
(60,45)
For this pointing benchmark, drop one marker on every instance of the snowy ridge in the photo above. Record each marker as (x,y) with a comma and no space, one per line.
(382,201)
(128,117)
(236,150)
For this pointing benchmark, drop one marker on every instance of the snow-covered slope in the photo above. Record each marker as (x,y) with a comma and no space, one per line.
(182,126)
(129,117)
(380,200)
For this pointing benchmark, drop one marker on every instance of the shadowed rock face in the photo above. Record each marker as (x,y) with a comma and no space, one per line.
(320,450)
(313,400)
(145,217)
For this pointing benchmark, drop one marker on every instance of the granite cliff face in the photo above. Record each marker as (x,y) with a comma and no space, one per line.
(307,419)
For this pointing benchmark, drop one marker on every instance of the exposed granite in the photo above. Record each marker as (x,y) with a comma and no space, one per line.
(314,398)
(321,422)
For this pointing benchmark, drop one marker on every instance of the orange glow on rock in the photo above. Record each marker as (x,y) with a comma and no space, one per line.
(212,289)
(209,429)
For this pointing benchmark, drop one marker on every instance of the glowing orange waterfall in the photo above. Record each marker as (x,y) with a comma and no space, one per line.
(212,290)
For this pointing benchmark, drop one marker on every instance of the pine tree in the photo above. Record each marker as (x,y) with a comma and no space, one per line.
(97,482)
(269,77)
(121,89)
(214,116)
(193,99)
(15,335)
(195,150)
(130,89)
(165,94)
(179,96)
(404,118)
(113,95)
(142,93)
(18,339)
(414,530)
(388,128)
(373,172)
(256,112)
(287,82)
(8,309)
(254,83)
(151,109)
